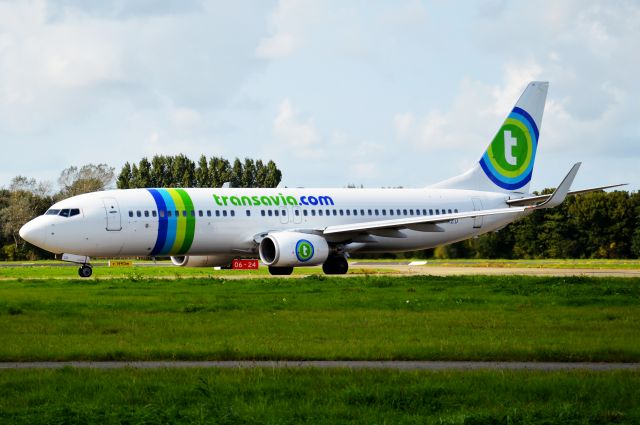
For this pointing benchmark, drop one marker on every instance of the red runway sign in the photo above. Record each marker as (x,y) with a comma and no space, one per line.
(244,265)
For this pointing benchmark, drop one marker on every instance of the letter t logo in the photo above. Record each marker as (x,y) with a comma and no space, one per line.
(509,143)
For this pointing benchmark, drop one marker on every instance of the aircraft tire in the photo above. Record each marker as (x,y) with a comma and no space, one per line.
(336,265)
(85,271)
(280,271)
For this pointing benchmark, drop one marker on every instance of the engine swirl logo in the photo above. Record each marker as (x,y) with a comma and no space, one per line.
(509,160)
(304,250)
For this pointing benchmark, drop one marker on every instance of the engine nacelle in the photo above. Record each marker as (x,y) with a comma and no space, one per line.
(201,260)
(293,249)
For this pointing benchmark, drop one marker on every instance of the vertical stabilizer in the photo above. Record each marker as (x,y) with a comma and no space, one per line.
(507,164)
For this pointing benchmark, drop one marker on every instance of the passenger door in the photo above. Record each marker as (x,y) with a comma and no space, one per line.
(112,211)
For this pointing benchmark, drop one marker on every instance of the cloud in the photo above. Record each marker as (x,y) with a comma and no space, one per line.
(278,46)
(301,138)
(475,112)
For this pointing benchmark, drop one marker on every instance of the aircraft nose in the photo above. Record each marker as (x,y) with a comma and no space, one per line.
(33,232)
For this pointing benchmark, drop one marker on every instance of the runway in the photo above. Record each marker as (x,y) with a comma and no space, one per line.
(328,364)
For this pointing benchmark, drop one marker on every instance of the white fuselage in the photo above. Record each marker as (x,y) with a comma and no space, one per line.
(143,222)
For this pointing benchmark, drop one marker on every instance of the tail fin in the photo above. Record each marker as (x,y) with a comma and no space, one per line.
(507,164)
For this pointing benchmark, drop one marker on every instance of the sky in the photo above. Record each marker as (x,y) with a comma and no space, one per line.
(373,93)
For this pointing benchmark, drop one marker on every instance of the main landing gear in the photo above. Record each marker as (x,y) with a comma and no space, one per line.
(85,270)
(335,265)
(280,271)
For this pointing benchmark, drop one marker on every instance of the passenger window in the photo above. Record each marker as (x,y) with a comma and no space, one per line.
(369,211)
(430,211)
(200,213)
(130,213)
(224,213)
(138,214)
(233,213)
(177,213)
(296,212)
(348,212)
(384,212)
(455,211)
(146,213)
(168,213)
(193,213)
(276,213)
(335,212)
(361,212)
(449,211)
(398,212)
(355,212)
(313,213)
(410,212)
(390,212)
(304,213)
(263,213)
(270,213)
(377,213)
(328,212)
(437,212)
(74,211)
(404,212)
(154,213)
(320,213)
(208,213)
(161,213)
(284,213)
(217,213)
(248,213)
(184,213)
(424,212)
(341,212)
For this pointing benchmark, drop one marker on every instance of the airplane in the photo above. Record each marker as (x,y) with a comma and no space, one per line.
(287,228)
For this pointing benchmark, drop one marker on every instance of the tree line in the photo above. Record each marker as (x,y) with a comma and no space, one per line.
(592,225)
(180,171)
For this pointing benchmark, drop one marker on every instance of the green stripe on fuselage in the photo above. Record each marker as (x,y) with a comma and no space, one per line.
(190,228)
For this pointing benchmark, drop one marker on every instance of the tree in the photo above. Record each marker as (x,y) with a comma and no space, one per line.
(125,177)
(88,178)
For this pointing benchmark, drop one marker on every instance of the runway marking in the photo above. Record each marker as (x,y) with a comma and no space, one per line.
(328,364)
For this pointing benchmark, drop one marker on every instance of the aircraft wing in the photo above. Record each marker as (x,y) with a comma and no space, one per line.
(421,223)
(430,223)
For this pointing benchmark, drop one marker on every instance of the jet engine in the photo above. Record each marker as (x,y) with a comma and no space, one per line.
(293,249)
(201,260)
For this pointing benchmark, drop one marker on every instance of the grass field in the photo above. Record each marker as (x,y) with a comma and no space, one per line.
(196,396)
(361,317)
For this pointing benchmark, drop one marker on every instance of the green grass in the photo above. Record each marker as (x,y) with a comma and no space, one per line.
(198,396)
(361,317)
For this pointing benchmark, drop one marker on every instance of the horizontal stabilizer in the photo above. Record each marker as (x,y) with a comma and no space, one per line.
(533,200)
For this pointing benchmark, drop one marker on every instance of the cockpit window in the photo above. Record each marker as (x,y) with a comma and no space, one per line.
(74,211)
(52,212)
(64,212)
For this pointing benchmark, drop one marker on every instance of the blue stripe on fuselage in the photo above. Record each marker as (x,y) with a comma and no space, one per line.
(162,222)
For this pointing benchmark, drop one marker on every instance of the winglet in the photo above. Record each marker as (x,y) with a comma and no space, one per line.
(558,195)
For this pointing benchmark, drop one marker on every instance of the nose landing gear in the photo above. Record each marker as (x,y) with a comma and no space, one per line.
(85,270)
